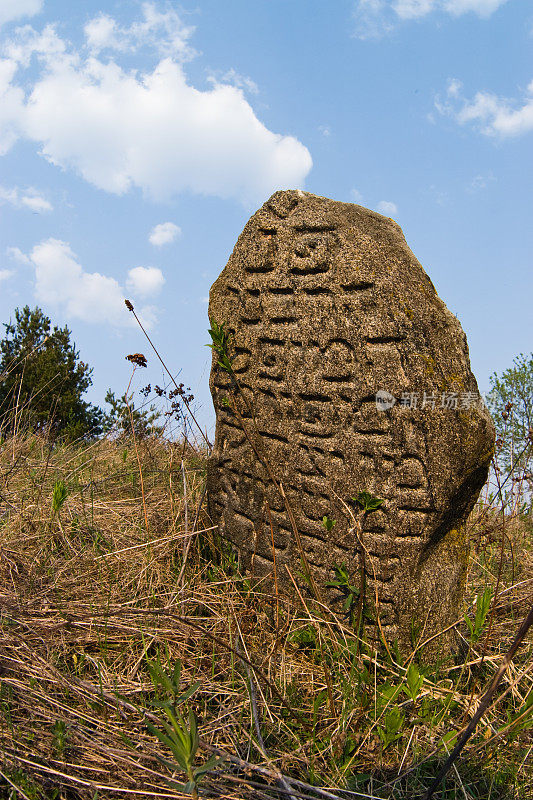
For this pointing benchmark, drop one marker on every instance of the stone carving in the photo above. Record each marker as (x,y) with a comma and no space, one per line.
(327,307)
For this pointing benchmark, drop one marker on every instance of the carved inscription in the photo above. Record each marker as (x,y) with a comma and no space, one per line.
(326,306)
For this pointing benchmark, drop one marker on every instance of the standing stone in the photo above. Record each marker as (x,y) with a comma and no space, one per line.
(328,308)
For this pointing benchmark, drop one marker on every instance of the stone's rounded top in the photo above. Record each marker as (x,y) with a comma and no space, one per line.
(355,242)
(286,202)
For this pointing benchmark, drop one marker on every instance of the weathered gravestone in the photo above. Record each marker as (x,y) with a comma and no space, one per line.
(327,308)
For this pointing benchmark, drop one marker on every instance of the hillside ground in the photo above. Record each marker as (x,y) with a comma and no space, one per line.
(122,611)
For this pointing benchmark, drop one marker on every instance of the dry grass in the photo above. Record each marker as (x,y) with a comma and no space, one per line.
(120,576)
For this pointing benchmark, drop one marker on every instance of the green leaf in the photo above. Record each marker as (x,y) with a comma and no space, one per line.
(211,763)
(171,765)
(169,743)
(179,729)
(469,623)
(367,502)
(186,788)
(483,602)
(126,739)
(449,739)
(389,692)
(414,681)
(220,344)
(193,727)
(159,676)
(59,495)
(394,719)
(328,523)
(188,693)
(176,673)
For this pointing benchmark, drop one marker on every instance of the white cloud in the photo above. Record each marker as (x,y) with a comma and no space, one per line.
(102,33)
(61,282)
(411,9)
(119,129)
(145,281)
(27,198)
(164,233)
(36,202)
(492,115)
(484,8)
(480,182)
(376,18)
(16,254)
(5,274)
(9,196)
(163,31)
(356,196)
(373,19)
(454,87)
(386,207)
(15,9)
(26,42)
(236,79)
(18,51)
(11,104)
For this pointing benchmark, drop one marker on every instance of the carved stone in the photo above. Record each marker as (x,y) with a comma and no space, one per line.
(328,307)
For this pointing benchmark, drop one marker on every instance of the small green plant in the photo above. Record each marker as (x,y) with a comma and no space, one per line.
(6,698)
(60,740)
(180,733)
(167,684)
(367,502)
(328,523)
(385,694)
(449,740)
(59,495)
(350,592)
(413,682)
(415,627)
(521,720)
(181,737)
(392,727)
(305,638)
(220,344)
(482,609)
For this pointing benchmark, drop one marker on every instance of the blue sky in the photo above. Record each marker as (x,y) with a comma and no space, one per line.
(136,138)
